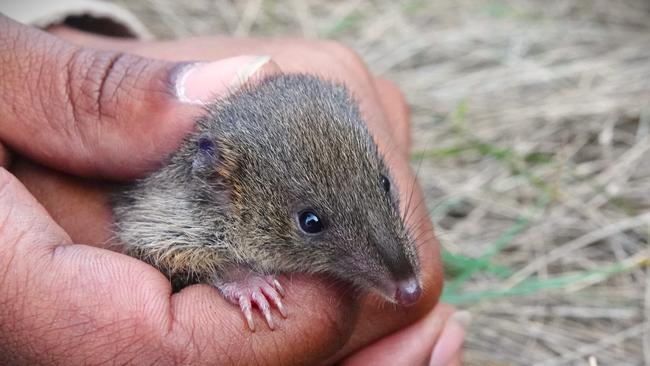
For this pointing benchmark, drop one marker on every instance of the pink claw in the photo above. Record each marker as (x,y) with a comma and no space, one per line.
(274,296)
(264,292)
(265,308)
(275,283)
(246,308)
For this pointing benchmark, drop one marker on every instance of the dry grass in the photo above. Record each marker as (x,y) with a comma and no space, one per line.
(532,122)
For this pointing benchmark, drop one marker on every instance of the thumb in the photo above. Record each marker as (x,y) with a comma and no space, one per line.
(103,113)
(441,330)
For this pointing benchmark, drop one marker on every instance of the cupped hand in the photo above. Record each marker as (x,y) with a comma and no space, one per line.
(109,114)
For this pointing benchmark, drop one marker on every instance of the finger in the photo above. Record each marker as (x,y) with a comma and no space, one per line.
(397,112)
(448,348)
(456,361)
(409,346)
(326,59)
(61,303)
(102,113)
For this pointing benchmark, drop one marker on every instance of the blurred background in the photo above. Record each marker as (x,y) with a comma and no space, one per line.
(531,126)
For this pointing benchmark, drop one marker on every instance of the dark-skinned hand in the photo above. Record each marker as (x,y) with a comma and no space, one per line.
(81,112)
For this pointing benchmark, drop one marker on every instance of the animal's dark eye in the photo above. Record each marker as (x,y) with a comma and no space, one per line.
(385,183)
(310,222)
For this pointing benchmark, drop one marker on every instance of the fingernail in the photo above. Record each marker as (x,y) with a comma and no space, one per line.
(202,82)
(244,74)
(451,339)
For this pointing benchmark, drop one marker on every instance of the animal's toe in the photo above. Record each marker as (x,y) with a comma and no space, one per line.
(278,287)
(275,298)
(263,292)
(264,306)
(247,310)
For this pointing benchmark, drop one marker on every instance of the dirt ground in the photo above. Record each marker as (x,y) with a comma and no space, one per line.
(532,143)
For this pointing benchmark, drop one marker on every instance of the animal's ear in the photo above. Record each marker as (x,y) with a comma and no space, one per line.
(210,158)
(207,154)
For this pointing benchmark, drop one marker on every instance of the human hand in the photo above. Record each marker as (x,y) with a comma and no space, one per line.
(189,325)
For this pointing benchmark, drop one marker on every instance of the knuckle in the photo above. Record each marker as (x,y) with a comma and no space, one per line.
(80,104)
(104,86)
(94,83)
(116,73)
(90,79)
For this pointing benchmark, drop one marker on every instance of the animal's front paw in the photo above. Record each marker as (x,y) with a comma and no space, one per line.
(263,291)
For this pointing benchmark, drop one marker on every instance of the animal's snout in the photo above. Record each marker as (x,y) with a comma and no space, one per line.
(408,291)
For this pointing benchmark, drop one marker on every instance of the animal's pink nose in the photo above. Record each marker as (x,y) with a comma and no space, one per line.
(408,292)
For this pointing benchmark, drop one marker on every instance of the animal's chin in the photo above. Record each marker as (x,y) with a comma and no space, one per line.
(383,293)
(402,292)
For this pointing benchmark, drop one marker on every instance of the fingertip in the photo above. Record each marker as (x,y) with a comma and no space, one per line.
(457,361)
(451,340)
(463,318)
